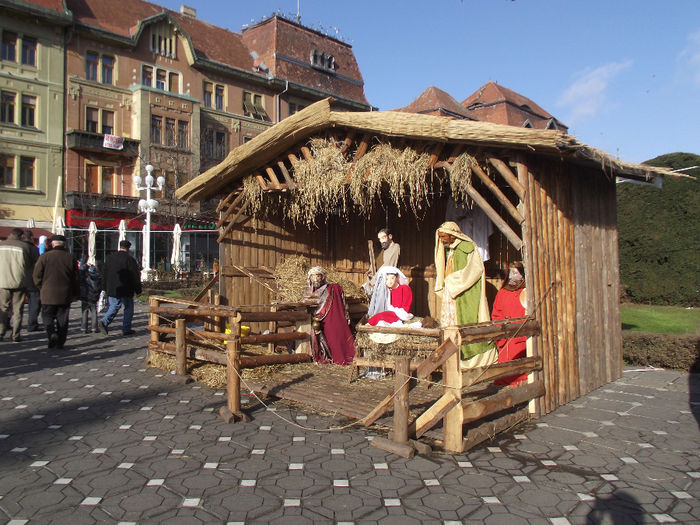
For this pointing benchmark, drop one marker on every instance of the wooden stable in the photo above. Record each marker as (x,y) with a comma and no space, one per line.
(550,198)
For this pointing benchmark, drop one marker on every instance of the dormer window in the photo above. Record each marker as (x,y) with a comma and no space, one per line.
(528,124)
(163,40)
(552,124)
(322,60)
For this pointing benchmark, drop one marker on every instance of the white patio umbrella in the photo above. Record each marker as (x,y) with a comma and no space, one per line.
(175,257)
(30,223)
(58,227)
(122,230)
(92,235)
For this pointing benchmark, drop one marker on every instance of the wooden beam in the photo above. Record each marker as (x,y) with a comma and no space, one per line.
(306,152)
(287,177)
(273,177)
(223,232)
(486,180)
(293,159)
(506,398)
(226,200)
(206,288)
(495,217)
(231,209)
(508,175)
(435,154)
(489,429)
(362,147)
(261,181)
(436,359)
(434,414)
(495,330)
(402,385)
(483,374)
(427,332)
(454,417)
(347,142)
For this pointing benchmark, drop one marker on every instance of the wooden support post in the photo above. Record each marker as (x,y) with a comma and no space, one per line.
(217,319)
(232,410)
(400,449)
(454,419)
(154,320)
(272,328)
(180,347)
(303,346)
(402,384)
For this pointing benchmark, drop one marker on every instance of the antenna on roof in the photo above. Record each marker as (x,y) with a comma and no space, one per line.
(298,13)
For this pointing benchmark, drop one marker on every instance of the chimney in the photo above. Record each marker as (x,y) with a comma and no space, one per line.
(188,11)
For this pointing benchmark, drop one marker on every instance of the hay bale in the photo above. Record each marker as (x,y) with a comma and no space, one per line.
(415,346)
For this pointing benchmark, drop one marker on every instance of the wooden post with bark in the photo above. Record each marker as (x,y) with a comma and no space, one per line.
(180,347)
(232,410)
(454,418)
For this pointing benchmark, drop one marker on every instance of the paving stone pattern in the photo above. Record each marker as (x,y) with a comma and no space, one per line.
(90,435)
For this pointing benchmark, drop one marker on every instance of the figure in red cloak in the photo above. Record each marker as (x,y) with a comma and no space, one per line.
(331,339)
(510,304)
(392,299)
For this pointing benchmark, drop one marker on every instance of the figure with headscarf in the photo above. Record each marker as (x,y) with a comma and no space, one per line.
(392,298)
(510,303)
(331,339)
(460,281)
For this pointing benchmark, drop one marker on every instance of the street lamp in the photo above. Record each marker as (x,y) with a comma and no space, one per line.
(147,206)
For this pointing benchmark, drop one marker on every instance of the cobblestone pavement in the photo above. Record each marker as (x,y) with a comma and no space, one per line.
(90,435)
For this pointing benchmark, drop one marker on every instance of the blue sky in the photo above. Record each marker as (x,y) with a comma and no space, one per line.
(624,75)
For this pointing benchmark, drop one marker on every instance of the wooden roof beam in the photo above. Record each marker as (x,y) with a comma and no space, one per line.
(225,231)
(508,175)
(273,177)
(486,180)
(362,147)
(287,177)
(227,200)
(494,216)
(347,142)
(231,208)
(435,154)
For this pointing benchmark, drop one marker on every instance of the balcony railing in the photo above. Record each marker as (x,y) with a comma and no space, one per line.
(79,200)
(86,141)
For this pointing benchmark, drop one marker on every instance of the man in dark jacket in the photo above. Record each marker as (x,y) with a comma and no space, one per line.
(56,276)
(32,290)
(121,281)
(15,258)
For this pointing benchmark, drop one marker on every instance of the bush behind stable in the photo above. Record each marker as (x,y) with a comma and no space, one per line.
(678,352)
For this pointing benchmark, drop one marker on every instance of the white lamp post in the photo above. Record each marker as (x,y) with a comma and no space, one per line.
(148,205)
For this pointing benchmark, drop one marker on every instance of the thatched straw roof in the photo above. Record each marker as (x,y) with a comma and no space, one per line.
(292,132)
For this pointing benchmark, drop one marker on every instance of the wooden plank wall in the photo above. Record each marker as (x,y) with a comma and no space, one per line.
(550,255)
(599,332)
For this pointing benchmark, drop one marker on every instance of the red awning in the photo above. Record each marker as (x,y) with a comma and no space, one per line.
(5,231)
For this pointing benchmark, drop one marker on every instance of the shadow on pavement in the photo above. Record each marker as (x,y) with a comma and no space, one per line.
(620,508)
(694,386)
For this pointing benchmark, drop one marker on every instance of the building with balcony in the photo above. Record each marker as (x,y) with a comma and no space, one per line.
(31,111)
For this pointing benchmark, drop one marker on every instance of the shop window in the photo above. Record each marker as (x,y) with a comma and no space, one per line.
(108,180)
(91,119)
(91,61)
(208,89)
(107,122)
(169,132)
(26,172)
(147,76)
(28,111)
(7,170)
(7,107)
(183,134)
(219,98)
(28,51)
(9,46)
(156,129)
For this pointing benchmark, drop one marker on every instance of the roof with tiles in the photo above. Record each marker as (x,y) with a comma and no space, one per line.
(209,41)
(57,6)
(286,48)
(484,100)
(435,101)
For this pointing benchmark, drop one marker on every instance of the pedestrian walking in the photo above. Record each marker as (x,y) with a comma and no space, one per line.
(90,289)
(120,282)
(56,276)
(33,300)
(15,259)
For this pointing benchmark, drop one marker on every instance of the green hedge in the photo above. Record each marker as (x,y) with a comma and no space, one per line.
(678,352)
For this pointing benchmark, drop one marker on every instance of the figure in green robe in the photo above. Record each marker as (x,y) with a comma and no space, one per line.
(460,277)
